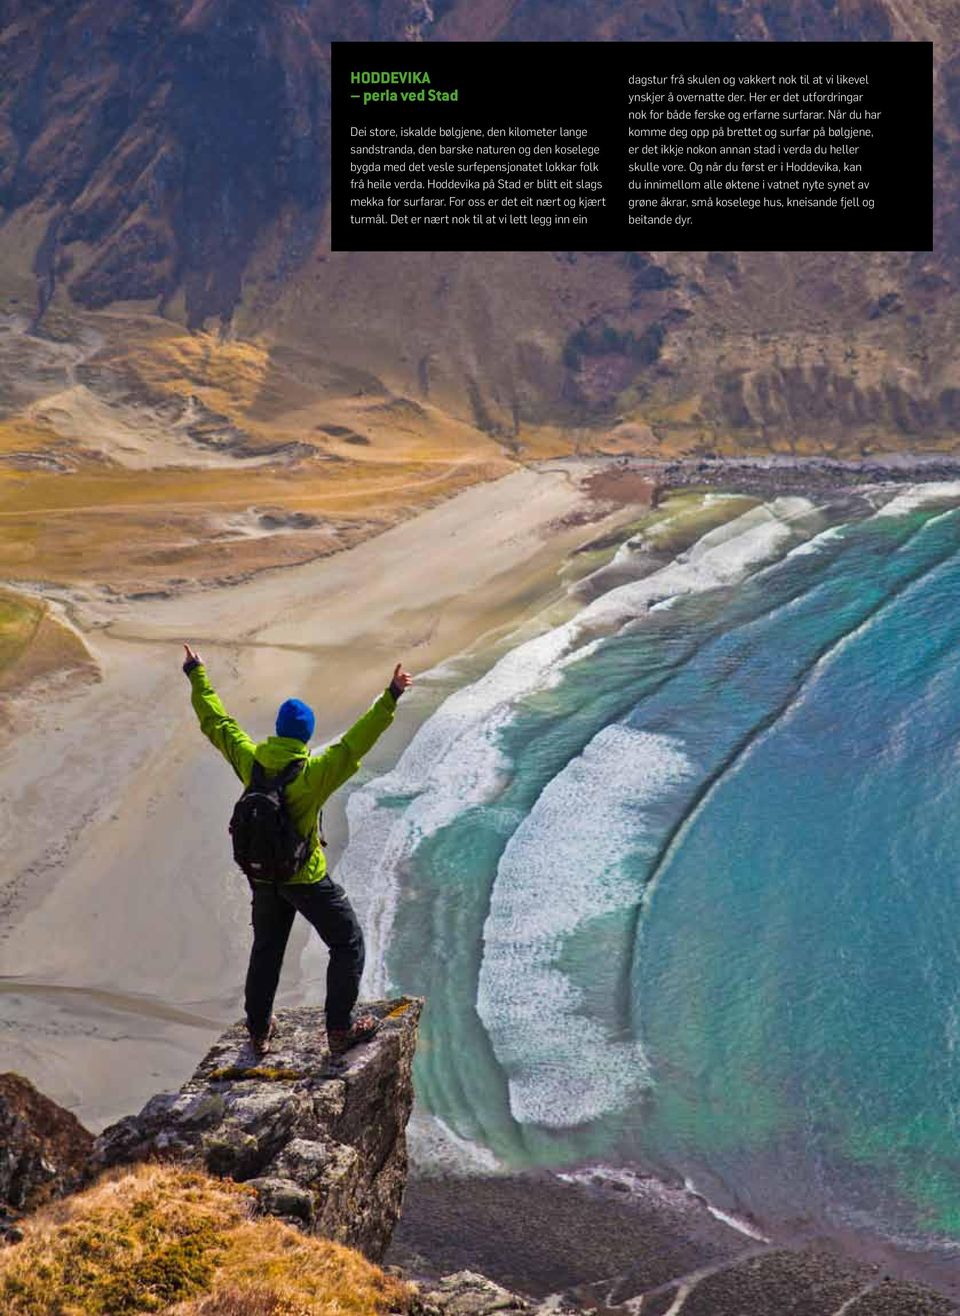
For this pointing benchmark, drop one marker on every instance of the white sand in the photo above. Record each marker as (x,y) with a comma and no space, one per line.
(119,882)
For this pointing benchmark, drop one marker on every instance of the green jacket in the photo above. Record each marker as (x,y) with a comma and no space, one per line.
(323,773)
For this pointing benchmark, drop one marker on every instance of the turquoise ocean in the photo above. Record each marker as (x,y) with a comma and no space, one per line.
(679,872)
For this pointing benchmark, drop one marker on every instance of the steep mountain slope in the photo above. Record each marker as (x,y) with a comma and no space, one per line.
(717,350)
(148,148)
(164,172)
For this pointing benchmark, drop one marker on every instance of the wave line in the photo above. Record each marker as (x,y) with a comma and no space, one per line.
(729,763)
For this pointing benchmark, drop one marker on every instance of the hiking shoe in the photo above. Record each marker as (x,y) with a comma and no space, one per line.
(361,1030)
(260,1042)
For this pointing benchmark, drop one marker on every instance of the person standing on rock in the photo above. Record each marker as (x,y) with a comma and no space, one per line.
(278,842)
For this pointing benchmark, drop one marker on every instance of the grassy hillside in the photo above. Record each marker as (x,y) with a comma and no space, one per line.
(171,1241)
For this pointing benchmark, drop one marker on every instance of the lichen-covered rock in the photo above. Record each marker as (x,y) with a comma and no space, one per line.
(44,1151)
(286,1199)
(469,1294)
(322,1141)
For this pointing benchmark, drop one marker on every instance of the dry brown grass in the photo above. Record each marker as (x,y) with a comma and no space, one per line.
(19,619)
(244,1302)
(19,434)
(116,525)
(353,458)
(226,375)
(160,1239)
(34,644)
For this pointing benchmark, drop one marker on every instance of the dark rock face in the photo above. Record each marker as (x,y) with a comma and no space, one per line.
(167,137)
(322,1141)
(43,1151)
(172,138)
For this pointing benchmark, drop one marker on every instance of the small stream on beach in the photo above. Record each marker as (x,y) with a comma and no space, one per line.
(679,874)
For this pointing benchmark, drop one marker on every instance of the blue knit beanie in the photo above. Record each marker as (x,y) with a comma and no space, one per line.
(295,719)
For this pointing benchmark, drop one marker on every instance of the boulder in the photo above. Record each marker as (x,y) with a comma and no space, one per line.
(468,1294)
(44,1151)
(322,1141)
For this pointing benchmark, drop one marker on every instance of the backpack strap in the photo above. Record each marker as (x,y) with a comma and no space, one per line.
(259,781)
(260,778)
(291,772)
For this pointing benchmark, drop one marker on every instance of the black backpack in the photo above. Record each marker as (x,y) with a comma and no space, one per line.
(266,844)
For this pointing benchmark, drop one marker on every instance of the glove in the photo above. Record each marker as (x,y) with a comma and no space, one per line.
(401,680)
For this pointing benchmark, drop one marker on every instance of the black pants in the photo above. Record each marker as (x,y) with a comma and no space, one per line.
(325,906)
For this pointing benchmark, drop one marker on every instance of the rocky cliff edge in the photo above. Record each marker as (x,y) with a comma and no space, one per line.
(322,1141)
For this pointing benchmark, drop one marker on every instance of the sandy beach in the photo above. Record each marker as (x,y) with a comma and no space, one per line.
(124,923)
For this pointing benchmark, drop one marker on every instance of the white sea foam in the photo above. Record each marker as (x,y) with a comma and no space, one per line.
(645,1188)
(436,1149)
(715,499)
(733,1221)
(819,542)
(722,556)
(650,537)
(645,540)
(563,866)
(623,1180)
(919,495)
(454,761)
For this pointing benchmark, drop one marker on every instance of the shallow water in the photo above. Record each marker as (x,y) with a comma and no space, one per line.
(679,877)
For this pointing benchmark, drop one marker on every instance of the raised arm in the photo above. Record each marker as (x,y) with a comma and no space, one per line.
(223,731)
(330,768)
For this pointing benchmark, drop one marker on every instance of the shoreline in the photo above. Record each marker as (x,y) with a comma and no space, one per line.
(443,1234)
(601,472)
(782,474)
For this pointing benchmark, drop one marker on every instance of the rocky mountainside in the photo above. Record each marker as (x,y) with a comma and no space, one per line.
(173,158)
